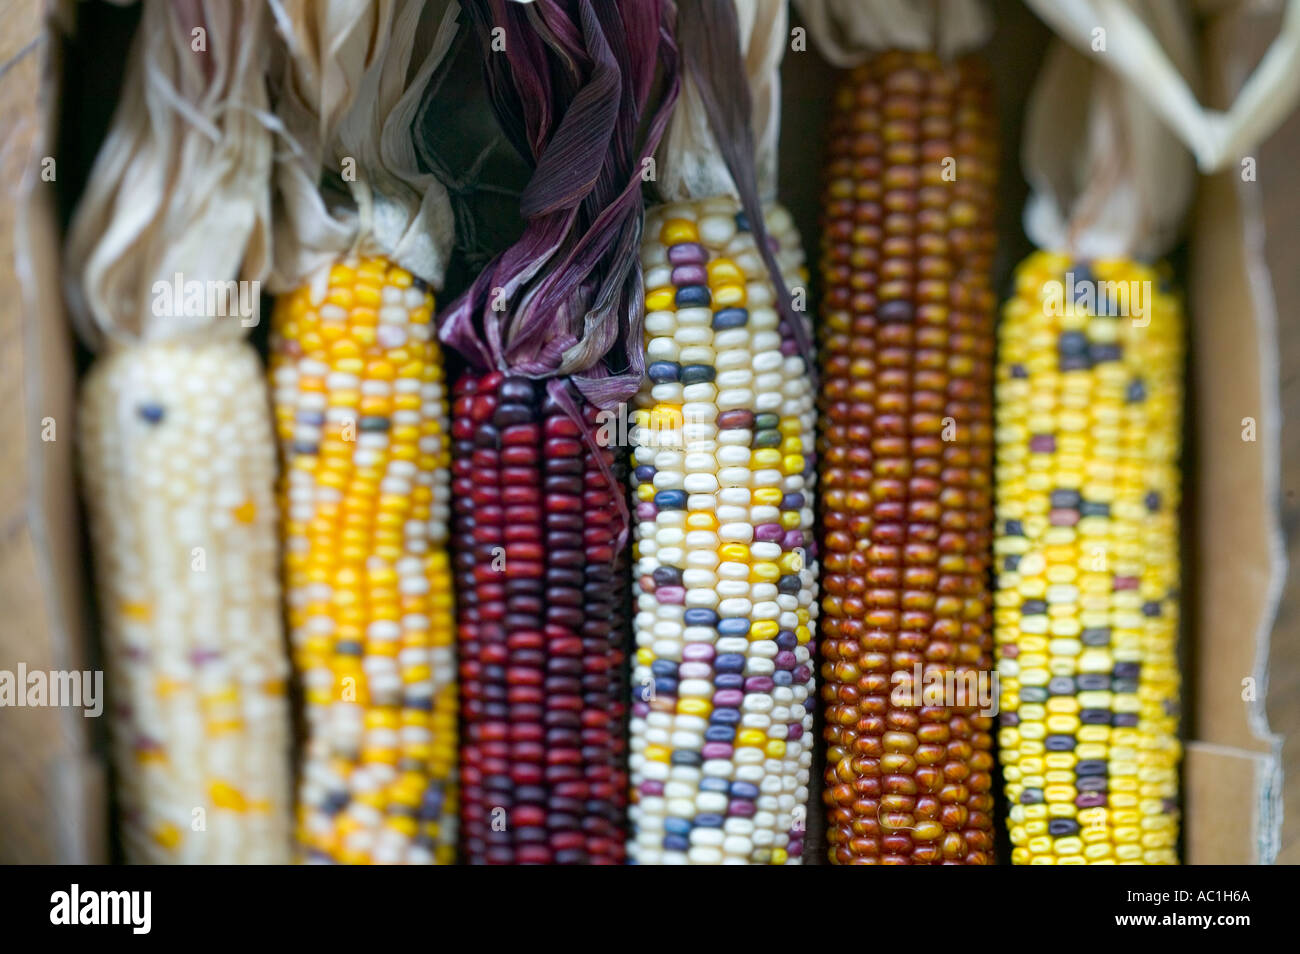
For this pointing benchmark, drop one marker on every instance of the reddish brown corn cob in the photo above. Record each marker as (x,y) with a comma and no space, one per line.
(543,630)
(906,462)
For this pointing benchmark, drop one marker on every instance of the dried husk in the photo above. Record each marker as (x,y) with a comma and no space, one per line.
(348,182)
(181,183)
(848,31)
(690,163)
(583,91)
(1108,178)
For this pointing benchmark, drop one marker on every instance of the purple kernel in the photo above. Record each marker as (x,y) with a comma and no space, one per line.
(690,275)
(728,699)
(687,253)
(671,595)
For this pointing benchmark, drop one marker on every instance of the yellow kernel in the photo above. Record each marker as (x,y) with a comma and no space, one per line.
(167,835)
(723,270)
(226,796)
(734,552)
(678,231)
(661,299)
(730,296)
(695,707)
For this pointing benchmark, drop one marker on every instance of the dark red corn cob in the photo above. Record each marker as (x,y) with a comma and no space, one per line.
(542,627)
(606,634)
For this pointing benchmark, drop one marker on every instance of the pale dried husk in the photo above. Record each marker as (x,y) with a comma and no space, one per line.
(1108,178)
(1146,46)
(181,184)
(1108,125)
(347,94)
(690,165)
(848,31)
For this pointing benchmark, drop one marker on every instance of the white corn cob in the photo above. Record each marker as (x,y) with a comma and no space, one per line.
(178,467)
(721,729)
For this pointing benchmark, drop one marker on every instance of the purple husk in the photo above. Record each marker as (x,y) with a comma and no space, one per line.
(570,93)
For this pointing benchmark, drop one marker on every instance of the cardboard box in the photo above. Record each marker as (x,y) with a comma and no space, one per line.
(53,801)
(53,804)
(1232,769)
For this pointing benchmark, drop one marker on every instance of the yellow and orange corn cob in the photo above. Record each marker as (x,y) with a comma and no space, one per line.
(1089,404)
(177,462)
(907,360)
(361,411)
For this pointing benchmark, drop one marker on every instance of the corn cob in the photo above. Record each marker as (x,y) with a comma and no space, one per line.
(177,467)
(1089,403)
(721,724)
(177,457)
(541,517)
(361,413)
(542,634)
(907,350)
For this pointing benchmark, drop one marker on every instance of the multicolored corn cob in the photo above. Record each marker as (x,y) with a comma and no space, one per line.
(177,464)
(1089,402)
(543,603)
(723,488)
(907,361)
(361,410)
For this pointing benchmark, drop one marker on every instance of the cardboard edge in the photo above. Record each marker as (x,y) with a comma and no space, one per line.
(1228,205)
(1266,320)
(1216,794)
(76,778)
(1250,208)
